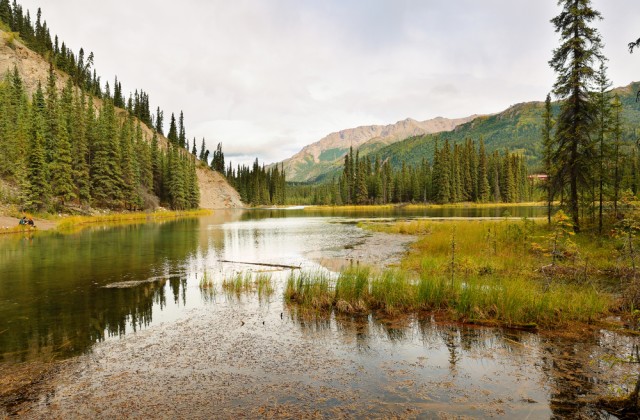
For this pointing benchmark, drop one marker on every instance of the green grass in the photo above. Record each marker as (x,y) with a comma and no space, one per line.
(309,289)
(238,283)
(245,282)
(264,285)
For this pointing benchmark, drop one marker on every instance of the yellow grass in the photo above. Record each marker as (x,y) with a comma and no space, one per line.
(74,222)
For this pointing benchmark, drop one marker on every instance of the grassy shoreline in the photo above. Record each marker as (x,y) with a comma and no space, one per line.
(73,223)
(513,273)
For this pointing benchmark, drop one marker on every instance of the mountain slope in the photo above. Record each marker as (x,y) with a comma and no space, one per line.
(215,192)
(518,128)
(320,157)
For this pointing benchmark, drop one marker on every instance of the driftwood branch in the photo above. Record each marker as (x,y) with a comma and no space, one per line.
(293,267)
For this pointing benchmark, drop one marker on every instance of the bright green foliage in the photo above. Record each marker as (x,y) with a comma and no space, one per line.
(96,159)
(484,189)
(129,166)
(463,173)
(106,172)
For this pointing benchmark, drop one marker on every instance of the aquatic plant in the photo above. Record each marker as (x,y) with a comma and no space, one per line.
(309,289)
(206,281)
(351,292)
(238,283)
(264,285)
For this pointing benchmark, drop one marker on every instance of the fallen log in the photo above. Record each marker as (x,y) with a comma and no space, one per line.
(293,267)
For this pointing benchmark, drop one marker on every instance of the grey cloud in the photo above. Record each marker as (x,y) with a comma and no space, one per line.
(267,77)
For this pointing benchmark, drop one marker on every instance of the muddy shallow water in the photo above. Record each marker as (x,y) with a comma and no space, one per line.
(239,357)
(143,340)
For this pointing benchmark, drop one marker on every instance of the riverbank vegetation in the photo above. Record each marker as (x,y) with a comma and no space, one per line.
(75,222)
(508,272)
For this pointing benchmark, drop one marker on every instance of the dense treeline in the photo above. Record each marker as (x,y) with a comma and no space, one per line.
(258,185)
(37,36)
(462,172)
(64,151)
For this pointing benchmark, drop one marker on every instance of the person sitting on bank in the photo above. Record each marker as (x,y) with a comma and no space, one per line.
(23,221)
(30,222)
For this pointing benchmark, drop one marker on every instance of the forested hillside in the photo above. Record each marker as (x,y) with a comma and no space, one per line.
(517,129)
(68,143)
(459,173)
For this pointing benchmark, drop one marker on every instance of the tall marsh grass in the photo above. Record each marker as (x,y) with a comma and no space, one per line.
(495,276)
(514,302)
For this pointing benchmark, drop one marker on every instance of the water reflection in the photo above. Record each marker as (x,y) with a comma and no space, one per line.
(53,301)
(565,373)
(52,297)
(397,212)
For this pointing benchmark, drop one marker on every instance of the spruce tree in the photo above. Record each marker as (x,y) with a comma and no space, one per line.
(202,150)
(6,14)
(484,188)
(159,121)
(106,172)
(573,62)
(547,156)
(603,106)
(61,167)
(130,179)
(37,189)
(173,131)
(362,193)
(182,137)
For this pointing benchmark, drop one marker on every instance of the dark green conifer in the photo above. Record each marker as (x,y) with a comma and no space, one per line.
(573,62)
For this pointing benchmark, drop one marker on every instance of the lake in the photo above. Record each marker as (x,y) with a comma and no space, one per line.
(121,308)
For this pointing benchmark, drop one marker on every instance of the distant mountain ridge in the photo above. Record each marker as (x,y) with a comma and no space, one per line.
(517,128)
(317,158)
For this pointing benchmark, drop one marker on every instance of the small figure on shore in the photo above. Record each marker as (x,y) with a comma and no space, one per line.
(27,221)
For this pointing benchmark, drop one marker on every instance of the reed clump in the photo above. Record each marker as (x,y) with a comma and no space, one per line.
(309,289)
(264,285)
(238,283)
(245,282)
(206,281)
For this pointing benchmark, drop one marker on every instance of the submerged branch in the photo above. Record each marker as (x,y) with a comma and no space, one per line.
(293,267)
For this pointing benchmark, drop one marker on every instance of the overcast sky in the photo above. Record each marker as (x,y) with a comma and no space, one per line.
(266,77)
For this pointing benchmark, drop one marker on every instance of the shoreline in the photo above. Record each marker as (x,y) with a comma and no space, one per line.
(10,224)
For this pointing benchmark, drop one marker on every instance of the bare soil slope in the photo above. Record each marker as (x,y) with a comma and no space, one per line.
(215,191)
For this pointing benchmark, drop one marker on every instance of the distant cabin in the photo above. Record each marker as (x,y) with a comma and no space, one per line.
(537,178)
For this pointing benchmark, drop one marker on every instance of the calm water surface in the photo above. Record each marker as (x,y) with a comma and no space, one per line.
(62,294)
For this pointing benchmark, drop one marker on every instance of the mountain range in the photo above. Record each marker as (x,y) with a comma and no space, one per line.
(517,128)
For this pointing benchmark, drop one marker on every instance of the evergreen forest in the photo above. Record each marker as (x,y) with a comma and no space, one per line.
(84,145)
(458,173)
